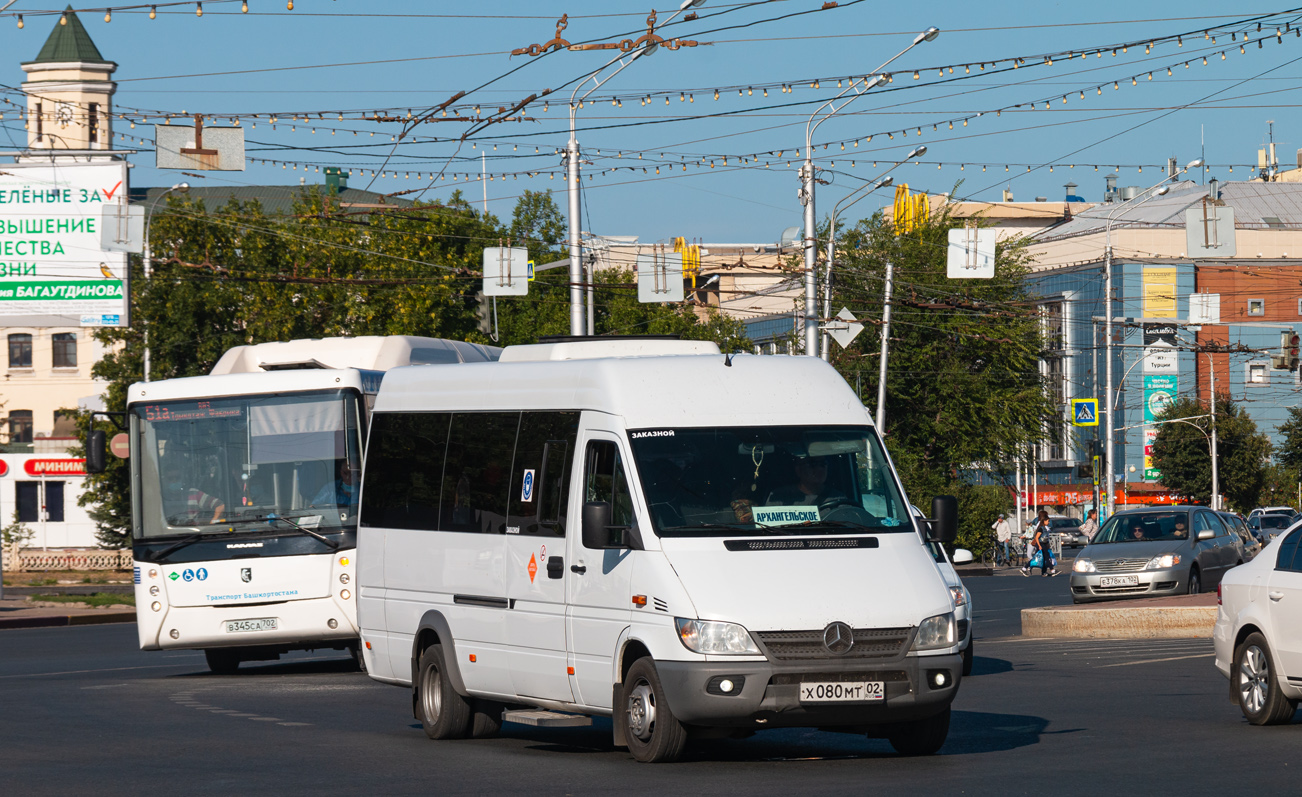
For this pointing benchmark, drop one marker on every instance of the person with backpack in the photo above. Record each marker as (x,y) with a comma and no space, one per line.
(1041,548)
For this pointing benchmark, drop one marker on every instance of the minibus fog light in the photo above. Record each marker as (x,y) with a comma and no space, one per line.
(343,578)
(174,634)
(156,606)
(707,636)
(1163,562)
(725,685)
(939,679)
(1083,566)
(935,632)
(332,622)
(345,594)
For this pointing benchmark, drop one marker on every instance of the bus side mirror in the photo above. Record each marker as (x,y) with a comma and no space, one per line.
(95,451)
(944,519)
(596,523)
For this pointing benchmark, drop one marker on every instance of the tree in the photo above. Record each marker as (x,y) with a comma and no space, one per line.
(963,390)
(1289,453)
(537,224)
(1182,453)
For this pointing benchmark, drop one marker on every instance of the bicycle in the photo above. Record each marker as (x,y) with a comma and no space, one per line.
(995,556)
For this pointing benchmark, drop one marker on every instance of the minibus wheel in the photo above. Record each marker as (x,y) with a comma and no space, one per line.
(222,661)
(653,733)
(920,737)
(443,713)
(485,718)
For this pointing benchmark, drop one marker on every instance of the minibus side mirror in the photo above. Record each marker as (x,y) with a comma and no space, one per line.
(95,451)
(944,519)
(596,522)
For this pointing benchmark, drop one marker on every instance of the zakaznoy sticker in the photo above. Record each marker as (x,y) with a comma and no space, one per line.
(785,515)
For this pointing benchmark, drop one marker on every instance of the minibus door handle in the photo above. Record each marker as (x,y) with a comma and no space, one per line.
(580,569)
(555,566)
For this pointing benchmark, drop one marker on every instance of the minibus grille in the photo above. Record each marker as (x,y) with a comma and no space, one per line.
(869,643)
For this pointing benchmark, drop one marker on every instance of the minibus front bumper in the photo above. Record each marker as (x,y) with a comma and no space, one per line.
(765,695)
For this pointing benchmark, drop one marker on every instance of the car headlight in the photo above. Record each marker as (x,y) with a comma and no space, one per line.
(960,597)
(707,636)
(935,632)
(1083,566)
(1163,562)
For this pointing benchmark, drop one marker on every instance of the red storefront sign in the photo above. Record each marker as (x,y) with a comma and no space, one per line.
(1076,494)
(55,467)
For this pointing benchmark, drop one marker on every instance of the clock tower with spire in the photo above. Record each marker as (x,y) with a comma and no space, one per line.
(69,93)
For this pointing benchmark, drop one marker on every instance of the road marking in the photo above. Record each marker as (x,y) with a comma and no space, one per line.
(1155,661)
(82,672)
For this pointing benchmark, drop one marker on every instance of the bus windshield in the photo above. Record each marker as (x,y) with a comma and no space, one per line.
(246,463)
(768,480)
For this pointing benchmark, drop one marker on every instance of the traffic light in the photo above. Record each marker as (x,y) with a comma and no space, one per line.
(1292,349)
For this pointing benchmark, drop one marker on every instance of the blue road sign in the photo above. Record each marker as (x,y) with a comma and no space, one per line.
(1085,412)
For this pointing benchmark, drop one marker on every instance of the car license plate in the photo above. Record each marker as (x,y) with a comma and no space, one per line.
(841,691)
(1119,581)
(262,624)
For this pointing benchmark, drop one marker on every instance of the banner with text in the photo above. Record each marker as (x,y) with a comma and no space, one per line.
(53,269)
(1159,391)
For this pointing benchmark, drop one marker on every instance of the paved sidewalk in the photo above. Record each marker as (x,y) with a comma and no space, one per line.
(18,612)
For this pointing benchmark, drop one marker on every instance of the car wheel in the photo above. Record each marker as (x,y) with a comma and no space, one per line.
(1257,685)
(1195,581)
(653,733)
(967,658)
(443,713)
(920,737)
(222,661)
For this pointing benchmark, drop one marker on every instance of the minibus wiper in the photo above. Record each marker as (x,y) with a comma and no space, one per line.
(273,517)
(179,544)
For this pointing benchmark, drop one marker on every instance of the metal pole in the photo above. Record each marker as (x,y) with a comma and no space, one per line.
(811,257)
(592,289)
(1018,494)
(148,263)
(576,246)
(825,344)
(1109,467)
(886,348)
(483,179)
(1094,391)
(1216,482)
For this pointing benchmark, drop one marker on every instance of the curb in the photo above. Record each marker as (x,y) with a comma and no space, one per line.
(1165,622)
(59,620)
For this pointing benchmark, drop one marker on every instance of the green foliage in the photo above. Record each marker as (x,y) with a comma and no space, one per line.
(16,533)
(1280,486)
(963,388)
(1182,453)
(537,224)
(1289,453)
(95,599)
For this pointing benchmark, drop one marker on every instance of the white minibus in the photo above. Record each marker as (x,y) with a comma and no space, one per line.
(688,543)
(244,494)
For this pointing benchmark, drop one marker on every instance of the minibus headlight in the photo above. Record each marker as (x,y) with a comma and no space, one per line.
(1083,566)
(935,632)
(707,636)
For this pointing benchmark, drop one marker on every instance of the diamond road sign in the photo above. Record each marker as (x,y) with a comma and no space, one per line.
(846,330)
(1085,412)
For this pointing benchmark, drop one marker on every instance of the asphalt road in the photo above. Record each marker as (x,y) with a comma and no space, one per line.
(83,712)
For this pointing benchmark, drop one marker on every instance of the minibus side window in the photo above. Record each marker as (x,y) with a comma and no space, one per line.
(541,477)
(477,474)
(404,470)
(605,481)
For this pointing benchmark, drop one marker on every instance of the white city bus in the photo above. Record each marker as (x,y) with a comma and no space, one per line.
(244,499)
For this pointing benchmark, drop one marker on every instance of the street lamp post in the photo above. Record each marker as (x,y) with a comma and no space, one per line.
(858,89)
(572,172)
(148,257)
(1108,453)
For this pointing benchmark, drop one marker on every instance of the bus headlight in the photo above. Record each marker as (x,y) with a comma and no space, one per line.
(935,632)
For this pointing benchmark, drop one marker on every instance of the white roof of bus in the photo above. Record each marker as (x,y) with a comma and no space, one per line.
(371,353)
(199,387)
(647,391)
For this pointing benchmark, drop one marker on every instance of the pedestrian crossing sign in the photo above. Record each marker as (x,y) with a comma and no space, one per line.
(1085,412)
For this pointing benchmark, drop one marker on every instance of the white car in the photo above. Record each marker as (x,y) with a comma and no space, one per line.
(962,598)
(1258,632)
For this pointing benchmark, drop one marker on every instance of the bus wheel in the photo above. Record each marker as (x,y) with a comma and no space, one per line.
(653,733)
(359,660)
(222,661)
(443,713)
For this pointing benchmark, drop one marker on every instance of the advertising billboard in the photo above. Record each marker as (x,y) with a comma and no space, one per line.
(54,271)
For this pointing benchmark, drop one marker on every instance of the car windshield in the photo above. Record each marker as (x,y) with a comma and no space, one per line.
(1063,523)
(1275,521)
(239,464)
(768,480)
(1145,527)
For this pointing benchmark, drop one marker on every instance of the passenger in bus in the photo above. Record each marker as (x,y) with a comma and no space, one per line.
(341,492)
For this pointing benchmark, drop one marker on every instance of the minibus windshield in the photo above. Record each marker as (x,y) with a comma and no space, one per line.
(767,480)
(246,464)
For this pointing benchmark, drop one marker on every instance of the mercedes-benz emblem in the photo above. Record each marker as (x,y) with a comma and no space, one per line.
(838,638)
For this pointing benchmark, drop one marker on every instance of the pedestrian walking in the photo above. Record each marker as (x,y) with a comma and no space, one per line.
(1003,533)
(1091,525)
(1041,546)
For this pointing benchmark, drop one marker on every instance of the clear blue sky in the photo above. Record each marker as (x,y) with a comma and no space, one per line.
(413,54)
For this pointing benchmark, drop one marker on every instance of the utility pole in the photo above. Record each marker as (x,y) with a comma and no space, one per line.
(886,347)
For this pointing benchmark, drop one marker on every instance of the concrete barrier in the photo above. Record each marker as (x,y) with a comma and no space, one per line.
(1164,618)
